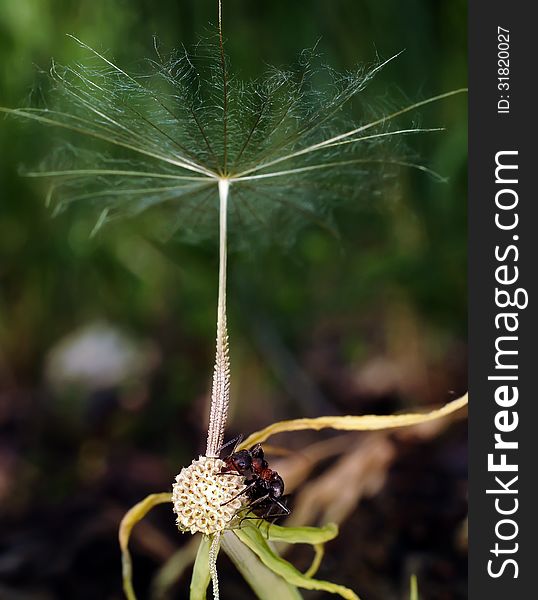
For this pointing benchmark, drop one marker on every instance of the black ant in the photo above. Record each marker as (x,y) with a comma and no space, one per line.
(264,487)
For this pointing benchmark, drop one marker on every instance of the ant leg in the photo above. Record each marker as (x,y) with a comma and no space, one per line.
(240,493)
(258,500)
(279,515)
(285,510)
(238,512)
(271,515)
(268,517)
(247,518)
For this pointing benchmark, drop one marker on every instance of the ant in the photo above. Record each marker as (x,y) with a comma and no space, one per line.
(264,487)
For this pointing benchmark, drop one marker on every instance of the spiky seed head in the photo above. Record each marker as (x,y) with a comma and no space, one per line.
(203,498)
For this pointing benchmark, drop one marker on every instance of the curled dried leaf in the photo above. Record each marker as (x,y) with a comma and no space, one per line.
(131,518)
(354,422)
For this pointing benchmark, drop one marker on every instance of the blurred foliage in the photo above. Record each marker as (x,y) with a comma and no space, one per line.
(311,327)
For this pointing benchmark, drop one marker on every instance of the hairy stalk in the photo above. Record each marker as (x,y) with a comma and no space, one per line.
(213,553)
(220,395)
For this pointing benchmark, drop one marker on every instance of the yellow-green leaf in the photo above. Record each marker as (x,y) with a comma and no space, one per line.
(253,538)
(315,536)
(200,574)
(301,535)
(131,518)
(266,584)
(354,422)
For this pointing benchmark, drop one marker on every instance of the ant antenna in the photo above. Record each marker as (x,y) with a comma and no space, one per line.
(235,441)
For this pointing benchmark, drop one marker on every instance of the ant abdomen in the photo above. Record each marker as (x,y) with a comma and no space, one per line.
(276,486)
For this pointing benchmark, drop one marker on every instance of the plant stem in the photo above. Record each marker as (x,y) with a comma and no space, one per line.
(224,92)
(220,395)
(213,553)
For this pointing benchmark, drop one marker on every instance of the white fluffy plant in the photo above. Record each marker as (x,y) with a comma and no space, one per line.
(205,152)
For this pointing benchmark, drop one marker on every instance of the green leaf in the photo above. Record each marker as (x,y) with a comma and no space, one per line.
(315,536)
(254,539)
(301,535)
(200,574)
(266,584)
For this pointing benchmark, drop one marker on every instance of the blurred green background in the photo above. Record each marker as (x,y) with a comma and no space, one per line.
(106,344)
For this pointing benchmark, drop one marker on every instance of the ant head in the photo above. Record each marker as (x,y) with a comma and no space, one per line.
(276,486)
(242,460)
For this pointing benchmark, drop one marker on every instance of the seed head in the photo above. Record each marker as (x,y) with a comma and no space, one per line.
(203,498)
